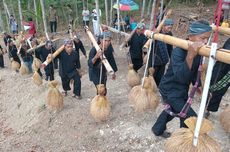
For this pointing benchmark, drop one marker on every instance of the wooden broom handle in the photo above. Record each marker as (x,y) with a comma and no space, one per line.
(103,58)
(129,36)
(159,27)
(223,30)
(221,54)
(54,55)
(40,45)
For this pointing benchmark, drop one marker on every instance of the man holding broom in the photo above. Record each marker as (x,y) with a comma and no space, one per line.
(136,44)
(69,66)
(182,70)
(94,61)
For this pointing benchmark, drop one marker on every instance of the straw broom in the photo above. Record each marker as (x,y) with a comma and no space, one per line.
(15,65)
(54,98)
(23,69)
(133,77)
(100,106)
(142,96)
(225,119)
(181,140)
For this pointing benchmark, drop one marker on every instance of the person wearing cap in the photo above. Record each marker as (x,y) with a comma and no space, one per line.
(162,53)
(136,44)
(42,54)
(94,61)
(13,56)
(79,45)
(69,66)
(219,84)
(182,71)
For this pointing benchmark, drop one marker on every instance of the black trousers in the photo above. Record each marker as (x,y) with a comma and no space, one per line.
(159,72)
(1,61)
(219,71)
(161,124)
(76,84)
(137,64)
(53,26)
(49,72)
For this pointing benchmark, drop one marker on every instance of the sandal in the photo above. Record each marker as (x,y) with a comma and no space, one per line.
(64,93)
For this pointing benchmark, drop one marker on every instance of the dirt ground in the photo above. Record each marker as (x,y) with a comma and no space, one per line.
(27,125)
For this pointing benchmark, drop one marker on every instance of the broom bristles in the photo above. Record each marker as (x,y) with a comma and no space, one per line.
(100,108)
(23,69)
(182,139)
(37,79)
(101,89)
(133,78)
(36,64)
(225,119)
(205,127)
(54,97)
(15,65)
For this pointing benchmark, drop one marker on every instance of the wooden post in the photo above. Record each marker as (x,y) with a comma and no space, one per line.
(143,9)
(106,12)
(44,18)
(149,10)
(98,16)
(118,15)
(151,24)
(111,13)
(36,13)
(2,27)
(20,14)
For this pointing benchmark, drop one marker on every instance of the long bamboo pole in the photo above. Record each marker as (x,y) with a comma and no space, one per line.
(116,31)
(106,12)
(36,13)
(44,18)
(143,9)
(221,54)
(103,58)
(56,53)
(222,30)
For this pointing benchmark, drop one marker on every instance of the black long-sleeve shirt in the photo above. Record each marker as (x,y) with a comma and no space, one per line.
(68,64)
(94,69)
(13,53)
(175,83)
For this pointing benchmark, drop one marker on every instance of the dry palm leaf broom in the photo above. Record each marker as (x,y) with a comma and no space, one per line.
(225,119)
(54,98)
(181,140)
(100,107)
(36,64)
(37,79)
(142,96)
(133,77)
(15,65)
(23,69)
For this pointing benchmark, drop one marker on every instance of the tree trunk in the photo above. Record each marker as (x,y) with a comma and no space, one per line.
(111,13)
(118,15)
(12,8)
(149,10)
(77,15)
(143,9)
(36,12)
(98,16)
(7,15)
(2,27)
(44,18)
(106,12)
(20,13)
(151,25)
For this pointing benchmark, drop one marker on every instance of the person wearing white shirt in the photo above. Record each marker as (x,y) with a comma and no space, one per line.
(96,28)
(85,14)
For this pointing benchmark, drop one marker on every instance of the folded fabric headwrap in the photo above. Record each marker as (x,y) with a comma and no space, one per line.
(168,22)
(140,26)
(67,41)
(106,34)
(196,28)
